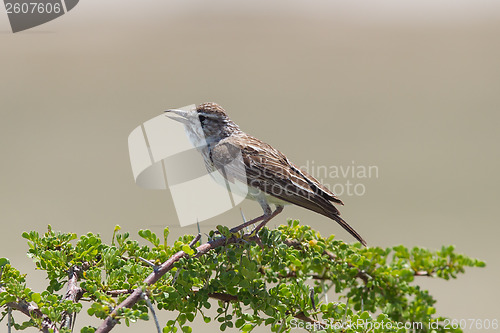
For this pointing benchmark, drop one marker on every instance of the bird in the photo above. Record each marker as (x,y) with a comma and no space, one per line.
(272,179)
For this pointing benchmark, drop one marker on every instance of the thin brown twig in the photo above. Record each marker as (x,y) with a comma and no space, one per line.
(73,293)
(33,311)
(360,274)
(119,292)
(233,298)
(108,324)
(224,297)
(305,318)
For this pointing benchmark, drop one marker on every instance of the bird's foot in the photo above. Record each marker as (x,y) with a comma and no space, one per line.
(278,210)
(248,223)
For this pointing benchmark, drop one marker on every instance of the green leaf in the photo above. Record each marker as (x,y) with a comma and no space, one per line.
(35,297)
(239,322)
(247,328)
(188,250)
(4,261)
(269,282)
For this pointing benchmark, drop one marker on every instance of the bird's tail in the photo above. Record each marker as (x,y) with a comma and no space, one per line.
(348,228)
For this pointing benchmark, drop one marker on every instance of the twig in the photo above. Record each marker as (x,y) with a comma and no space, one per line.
(324,291)
(176,275)
(199,230)
(317,324)
(152,309)
(147,262)
(33,311)
(361,274)
(278,210)
(311,296)
(263,218)
(74,321)
(119,292)
(232,298)
(243,215)
(195,240)
(73,293)
(9,320)
(108,324)
(346,307)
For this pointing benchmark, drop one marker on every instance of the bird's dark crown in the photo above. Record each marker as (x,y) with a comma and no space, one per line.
(212,110)
(214,121)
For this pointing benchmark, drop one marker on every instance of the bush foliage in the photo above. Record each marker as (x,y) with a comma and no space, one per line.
(278,279)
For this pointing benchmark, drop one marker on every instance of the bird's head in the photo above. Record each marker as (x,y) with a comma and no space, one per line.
(205,124)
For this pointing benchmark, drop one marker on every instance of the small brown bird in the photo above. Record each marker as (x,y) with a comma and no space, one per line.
(271,178)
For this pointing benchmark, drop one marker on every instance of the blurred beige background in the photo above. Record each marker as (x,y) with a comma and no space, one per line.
(412,88)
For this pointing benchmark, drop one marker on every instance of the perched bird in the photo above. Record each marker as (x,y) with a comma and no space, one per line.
(271,178)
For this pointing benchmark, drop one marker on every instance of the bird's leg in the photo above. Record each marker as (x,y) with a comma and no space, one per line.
(267,212)
(278,210)
(246,224)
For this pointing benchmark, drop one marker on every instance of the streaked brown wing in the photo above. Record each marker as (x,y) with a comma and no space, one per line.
(298,176)
(270,171)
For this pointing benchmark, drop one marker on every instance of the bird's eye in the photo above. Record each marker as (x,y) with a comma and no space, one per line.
(202,118)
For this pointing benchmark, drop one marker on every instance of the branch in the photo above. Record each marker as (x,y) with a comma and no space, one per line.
(317,324)
(32,311)
(232,298)
(108,324)
(360,274)
(224,297)
(73,293)
(297,244)
(115,293)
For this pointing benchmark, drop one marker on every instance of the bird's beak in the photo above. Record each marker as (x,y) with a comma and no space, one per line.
(178,115)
